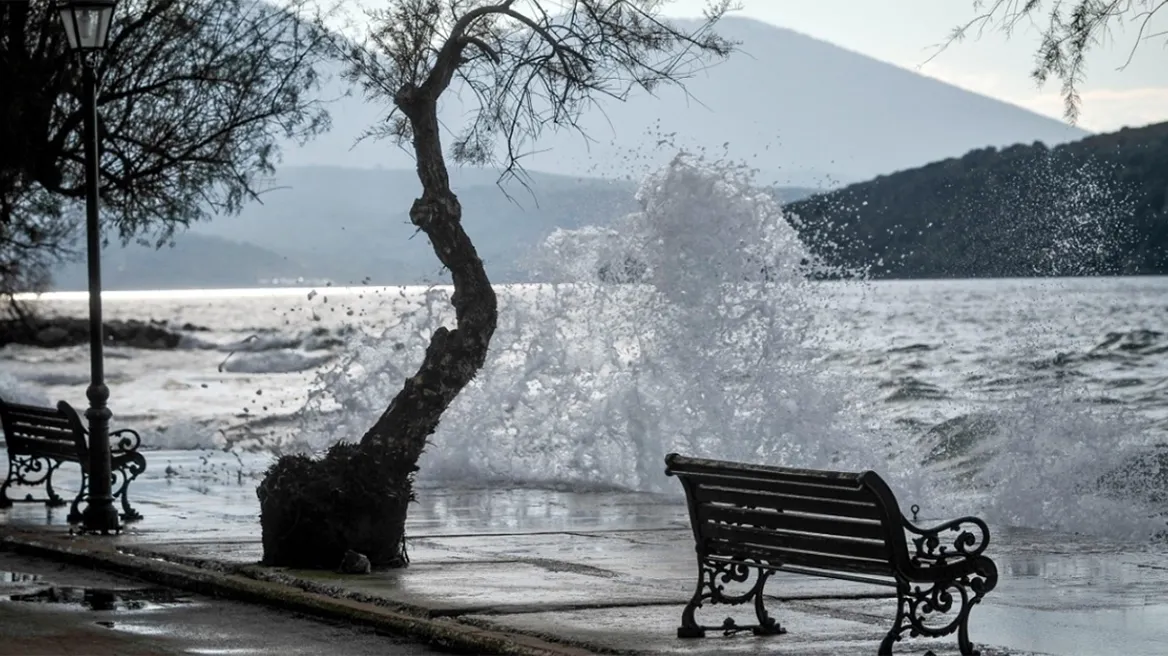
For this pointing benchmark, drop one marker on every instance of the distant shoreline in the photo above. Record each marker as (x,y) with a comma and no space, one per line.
(343,290)
(56,331)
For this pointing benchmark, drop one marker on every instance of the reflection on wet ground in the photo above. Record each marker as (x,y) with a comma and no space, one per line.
(102,599)
(48,609)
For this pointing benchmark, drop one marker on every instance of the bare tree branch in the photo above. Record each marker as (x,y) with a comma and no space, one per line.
(530,66)
(1068,31)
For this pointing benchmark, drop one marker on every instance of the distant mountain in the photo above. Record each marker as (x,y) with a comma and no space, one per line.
(802,111)
(351,226)
(195,261)
(1098,206)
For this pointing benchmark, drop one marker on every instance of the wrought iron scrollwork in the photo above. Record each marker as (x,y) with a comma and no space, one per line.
(713,577)
(31,470)
(973,536)
(939,608)
(128,440)
(134,465)
(127,465)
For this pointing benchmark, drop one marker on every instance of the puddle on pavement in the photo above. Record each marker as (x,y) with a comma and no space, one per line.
(99,599)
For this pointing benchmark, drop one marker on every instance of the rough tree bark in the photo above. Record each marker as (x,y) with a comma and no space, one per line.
(356,497)
(378,473)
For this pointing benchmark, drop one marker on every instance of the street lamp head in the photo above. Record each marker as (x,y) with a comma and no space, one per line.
(87,23)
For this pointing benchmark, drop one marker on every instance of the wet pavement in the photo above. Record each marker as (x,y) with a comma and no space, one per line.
(611,571)
(59,610)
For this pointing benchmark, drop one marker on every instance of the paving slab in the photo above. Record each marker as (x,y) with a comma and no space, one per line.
(1084,631)
(269,587)
(234,553)
(1132,631)
(459,588)
(252,551)
(1082,581)
(540,573)
(810,632)
(661,560)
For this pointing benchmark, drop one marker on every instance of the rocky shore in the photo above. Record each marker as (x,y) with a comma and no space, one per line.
(55,332)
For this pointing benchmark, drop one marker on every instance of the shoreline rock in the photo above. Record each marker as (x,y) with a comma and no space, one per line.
(57,332)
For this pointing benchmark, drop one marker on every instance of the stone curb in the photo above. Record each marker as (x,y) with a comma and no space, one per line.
(444,633)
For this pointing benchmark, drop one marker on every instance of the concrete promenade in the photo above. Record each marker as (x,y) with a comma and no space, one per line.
(543,572)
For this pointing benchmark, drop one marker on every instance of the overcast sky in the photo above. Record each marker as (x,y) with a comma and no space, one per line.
(906,33)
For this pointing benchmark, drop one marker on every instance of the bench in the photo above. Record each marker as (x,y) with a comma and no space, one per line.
(833,524)
(39,440)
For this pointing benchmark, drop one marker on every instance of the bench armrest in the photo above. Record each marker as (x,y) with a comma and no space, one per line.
(127,440)
(933,549)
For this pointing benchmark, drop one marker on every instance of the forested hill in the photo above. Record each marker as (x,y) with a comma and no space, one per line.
(1098,206)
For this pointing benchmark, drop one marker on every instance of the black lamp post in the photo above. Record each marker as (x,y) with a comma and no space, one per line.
(87,24)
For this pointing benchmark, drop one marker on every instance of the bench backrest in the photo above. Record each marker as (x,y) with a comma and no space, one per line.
(819,520)
(32,430)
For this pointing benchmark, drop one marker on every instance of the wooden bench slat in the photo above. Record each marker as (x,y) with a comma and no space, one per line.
(745,497)
(854,493)
(778,556)
(42,434)
(772,519)
(49,431)
(691,466)
(826,546)
(51,420)
(57,449)
(37,440)
(29,409)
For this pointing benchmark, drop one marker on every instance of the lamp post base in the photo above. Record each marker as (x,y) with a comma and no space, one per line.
(99,517)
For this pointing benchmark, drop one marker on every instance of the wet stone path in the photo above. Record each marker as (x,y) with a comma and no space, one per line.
(49,609)
(607,570)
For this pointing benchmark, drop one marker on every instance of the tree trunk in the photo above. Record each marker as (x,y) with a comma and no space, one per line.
(357,496)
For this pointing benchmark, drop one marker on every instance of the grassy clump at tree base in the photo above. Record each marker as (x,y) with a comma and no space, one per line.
(313,510)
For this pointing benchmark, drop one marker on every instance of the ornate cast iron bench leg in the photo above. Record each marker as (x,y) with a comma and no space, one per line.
(127,472)
(924,611)
(54,500)
(127,465)
(27,470)
(74,510)
(5,502)
(125,468)
(712,579)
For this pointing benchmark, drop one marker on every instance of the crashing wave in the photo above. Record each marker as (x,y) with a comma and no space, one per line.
(907,388)
(690,326)
(592,381)
(1130,346)
(317,339)
(279,361)
(13,390)
(1137,342)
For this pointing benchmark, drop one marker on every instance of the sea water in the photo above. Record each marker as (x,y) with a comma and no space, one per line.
(1035,403)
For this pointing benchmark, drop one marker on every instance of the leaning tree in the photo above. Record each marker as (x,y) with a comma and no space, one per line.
(531,65)
(195,97)
(1068,30)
